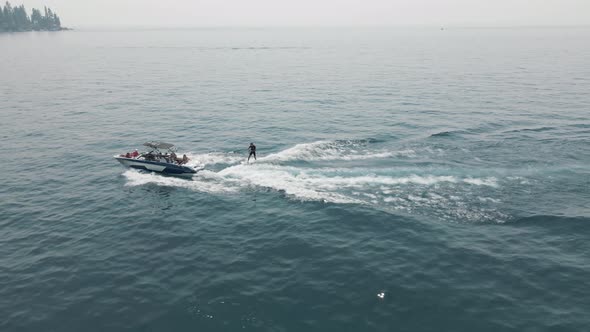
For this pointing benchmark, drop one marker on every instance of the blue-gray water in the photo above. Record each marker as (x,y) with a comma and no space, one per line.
(446,169)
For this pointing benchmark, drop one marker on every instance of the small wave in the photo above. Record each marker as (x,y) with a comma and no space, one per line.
(446,133)
(490,181)
(392,199)
(358,141)
(442,134)
(554,221)
(580,125)
(488,199)
(539,129)
(519,179)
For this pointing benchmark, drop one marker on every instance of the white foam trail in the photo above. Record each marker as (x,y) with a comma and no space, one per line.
(393,199)
(521,179)
(490,181)
(320,180)
(418,199)
(300,151)
(304,184)
(448,196)
(198,182)
(282,179)
(326,150)
(213,158)
(372,180)
(436,197)
(488,199)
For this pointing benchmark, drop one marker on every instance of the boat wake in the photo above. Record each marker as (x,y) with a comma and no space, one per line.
(440,191)
(334,151)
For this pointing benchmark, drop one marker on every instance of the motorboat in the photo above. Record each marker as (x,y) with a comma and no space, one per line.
(160,158)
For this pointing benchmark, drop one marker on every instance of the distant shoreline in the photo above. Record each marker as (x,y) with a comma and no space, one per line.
(17,19)
(18,31)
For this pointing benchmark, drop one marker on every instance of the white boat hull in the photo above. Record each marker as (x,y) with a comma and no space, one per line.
(156,166)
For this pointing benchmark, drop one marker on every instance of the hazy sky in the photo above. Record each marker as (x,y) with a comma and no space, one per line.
(79,13)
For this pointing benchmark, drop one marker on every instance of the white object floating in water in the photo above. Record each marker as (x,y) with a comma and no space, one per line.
(381,295)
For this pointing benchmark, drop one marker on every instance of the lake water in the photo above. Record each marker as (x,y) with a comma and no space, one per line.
(446,170)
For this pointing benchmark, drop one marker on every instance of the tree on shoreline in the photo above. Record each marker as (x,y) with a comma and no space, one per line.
(14,19)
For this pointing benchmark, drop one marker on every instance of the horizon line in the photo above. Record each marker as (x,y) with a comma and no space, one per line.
(207,27)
